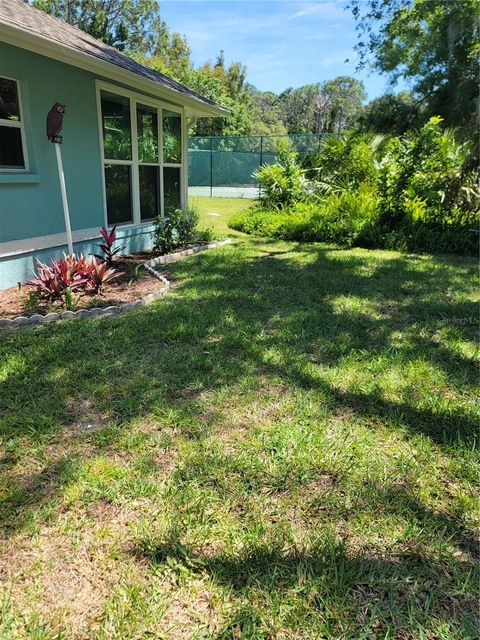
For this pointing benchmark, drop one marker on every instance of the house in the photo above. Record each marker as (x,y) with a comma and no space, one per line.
(124,141)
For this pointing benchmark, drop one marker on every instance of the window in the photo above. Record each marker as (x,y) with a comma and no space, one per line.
(142,150)
(117,151)
(149,162)
(172,147)
(172,159)
(12,139)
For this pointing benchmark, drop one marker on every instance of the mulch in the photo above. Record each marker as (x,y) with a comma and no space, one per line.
(127,287)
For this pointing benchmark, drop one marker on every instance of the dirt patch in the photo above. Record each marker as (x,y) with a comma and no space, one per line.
(134,282)
(65,579)
(54,580)
(84,418)
(190,608)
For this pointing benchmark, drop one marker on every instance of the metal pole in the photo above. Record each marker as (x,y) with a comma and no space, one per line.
(261,162)
(64,198)
(211,168)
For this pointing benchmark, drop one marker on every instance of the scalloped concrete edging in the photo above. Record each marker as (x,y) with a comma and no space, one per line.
(23,322)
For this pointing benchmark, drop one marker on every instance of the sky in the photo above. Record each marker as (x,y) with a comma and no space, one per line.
(283,43)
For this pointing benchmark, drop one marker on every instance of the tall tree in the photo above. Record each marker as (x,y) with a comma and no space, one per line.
(268,112)
(344,98)
(431,43)
(318,108)
(299,108)
(171,54)
(128,25)
(391,114)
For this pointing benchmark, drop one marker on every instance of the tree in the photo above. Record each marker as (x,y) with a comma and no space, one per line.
(234,96)
(299,108)
(267,112)
(343,102)
(432,44)
(172,54)
(391,114)
(128,25)
(318,108)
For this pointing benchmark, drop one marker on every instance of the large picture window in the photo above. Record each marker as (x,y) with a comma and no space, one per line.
(12,137)
(142,151)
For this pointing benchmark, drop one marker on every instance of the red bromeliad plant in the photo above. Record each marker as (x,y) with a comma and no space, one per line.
(61,277)
(52,280)
(99,274)
(106,247)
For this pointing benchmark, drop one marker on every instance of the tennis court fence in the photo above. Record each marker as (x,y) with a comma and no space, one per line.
(222,166)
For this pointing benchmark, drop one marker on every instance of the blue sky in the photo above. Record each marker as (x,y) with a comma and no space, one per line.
(283,43)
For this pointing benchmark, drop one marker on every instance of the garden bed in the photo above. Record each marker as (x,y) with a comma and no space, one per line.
(138,283)
(133,283)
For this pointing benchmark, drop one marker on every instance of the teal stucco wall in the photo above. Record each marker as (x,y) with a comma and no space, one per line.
(30,205)
(34,209)
(17,269)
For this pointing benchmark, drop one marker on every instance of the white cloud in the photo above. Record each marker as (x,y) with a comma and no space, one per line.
(326,9)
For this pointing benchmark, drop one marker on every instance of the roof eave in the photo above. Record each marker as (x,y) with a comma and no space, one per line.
(30,41)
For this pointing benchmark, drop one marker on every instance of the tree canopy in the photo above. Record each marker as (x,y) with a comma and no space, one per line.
(391,113)
(129,25)
(431,44)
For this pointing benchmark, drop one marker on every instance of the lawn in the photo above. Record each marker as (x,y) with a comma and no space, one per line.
(283,448)
(215,212)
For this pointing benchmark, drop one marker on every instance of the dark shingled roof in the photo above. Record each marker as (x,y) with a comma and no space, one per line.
(17,13)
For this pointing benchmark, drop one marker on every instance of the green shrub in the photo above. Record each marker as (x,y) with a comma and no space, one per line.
(426,166)
(258,222)
(416,193)
(346,162)
(431,238)
(346,219)
(281,183)
(175,230)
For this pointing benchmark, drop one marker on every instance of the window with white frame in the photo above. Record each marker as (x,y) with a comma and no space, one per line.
(12,137)
(142,151)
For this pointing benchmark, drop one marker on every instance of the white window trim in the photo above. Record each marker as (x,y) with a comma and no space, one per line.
(135,99)
(17,125)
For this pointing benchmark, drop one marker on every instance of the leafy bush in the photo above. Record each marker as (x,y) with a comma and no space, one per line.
(205,235)
(185,223)
(346,162)
(427,166)
(346,219)
(281,183)
(259,222)
(178,229)
(419,192)
(98,274)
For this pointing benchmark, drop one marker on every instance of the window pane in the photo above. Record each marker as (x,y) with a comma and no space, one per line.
(172,138)
(171,188)
(118,185)
(147,130)
(149,192)
(9,107)
(117,144)
(11,152)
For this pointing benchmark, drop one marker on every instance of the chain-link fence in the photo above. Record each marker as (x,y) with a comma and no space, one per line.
(223,165)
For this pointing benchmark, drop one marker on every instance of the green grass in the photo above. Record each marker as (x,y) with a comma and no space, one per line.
(215,212)
(284,447)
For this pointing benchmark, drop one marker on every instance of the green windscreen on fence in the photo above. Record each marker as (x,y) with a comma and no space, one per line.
(229,161)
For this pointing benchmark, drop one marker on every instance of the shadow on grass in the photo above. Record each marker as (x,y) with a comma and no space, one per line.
(232,309)
(348,592)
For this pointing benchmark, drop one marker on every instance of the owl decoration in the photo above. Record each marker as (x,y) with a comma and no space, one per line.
(55,123)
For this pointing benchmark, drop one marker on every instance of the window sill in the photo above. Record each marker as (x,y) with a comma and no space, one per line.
(19,178)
